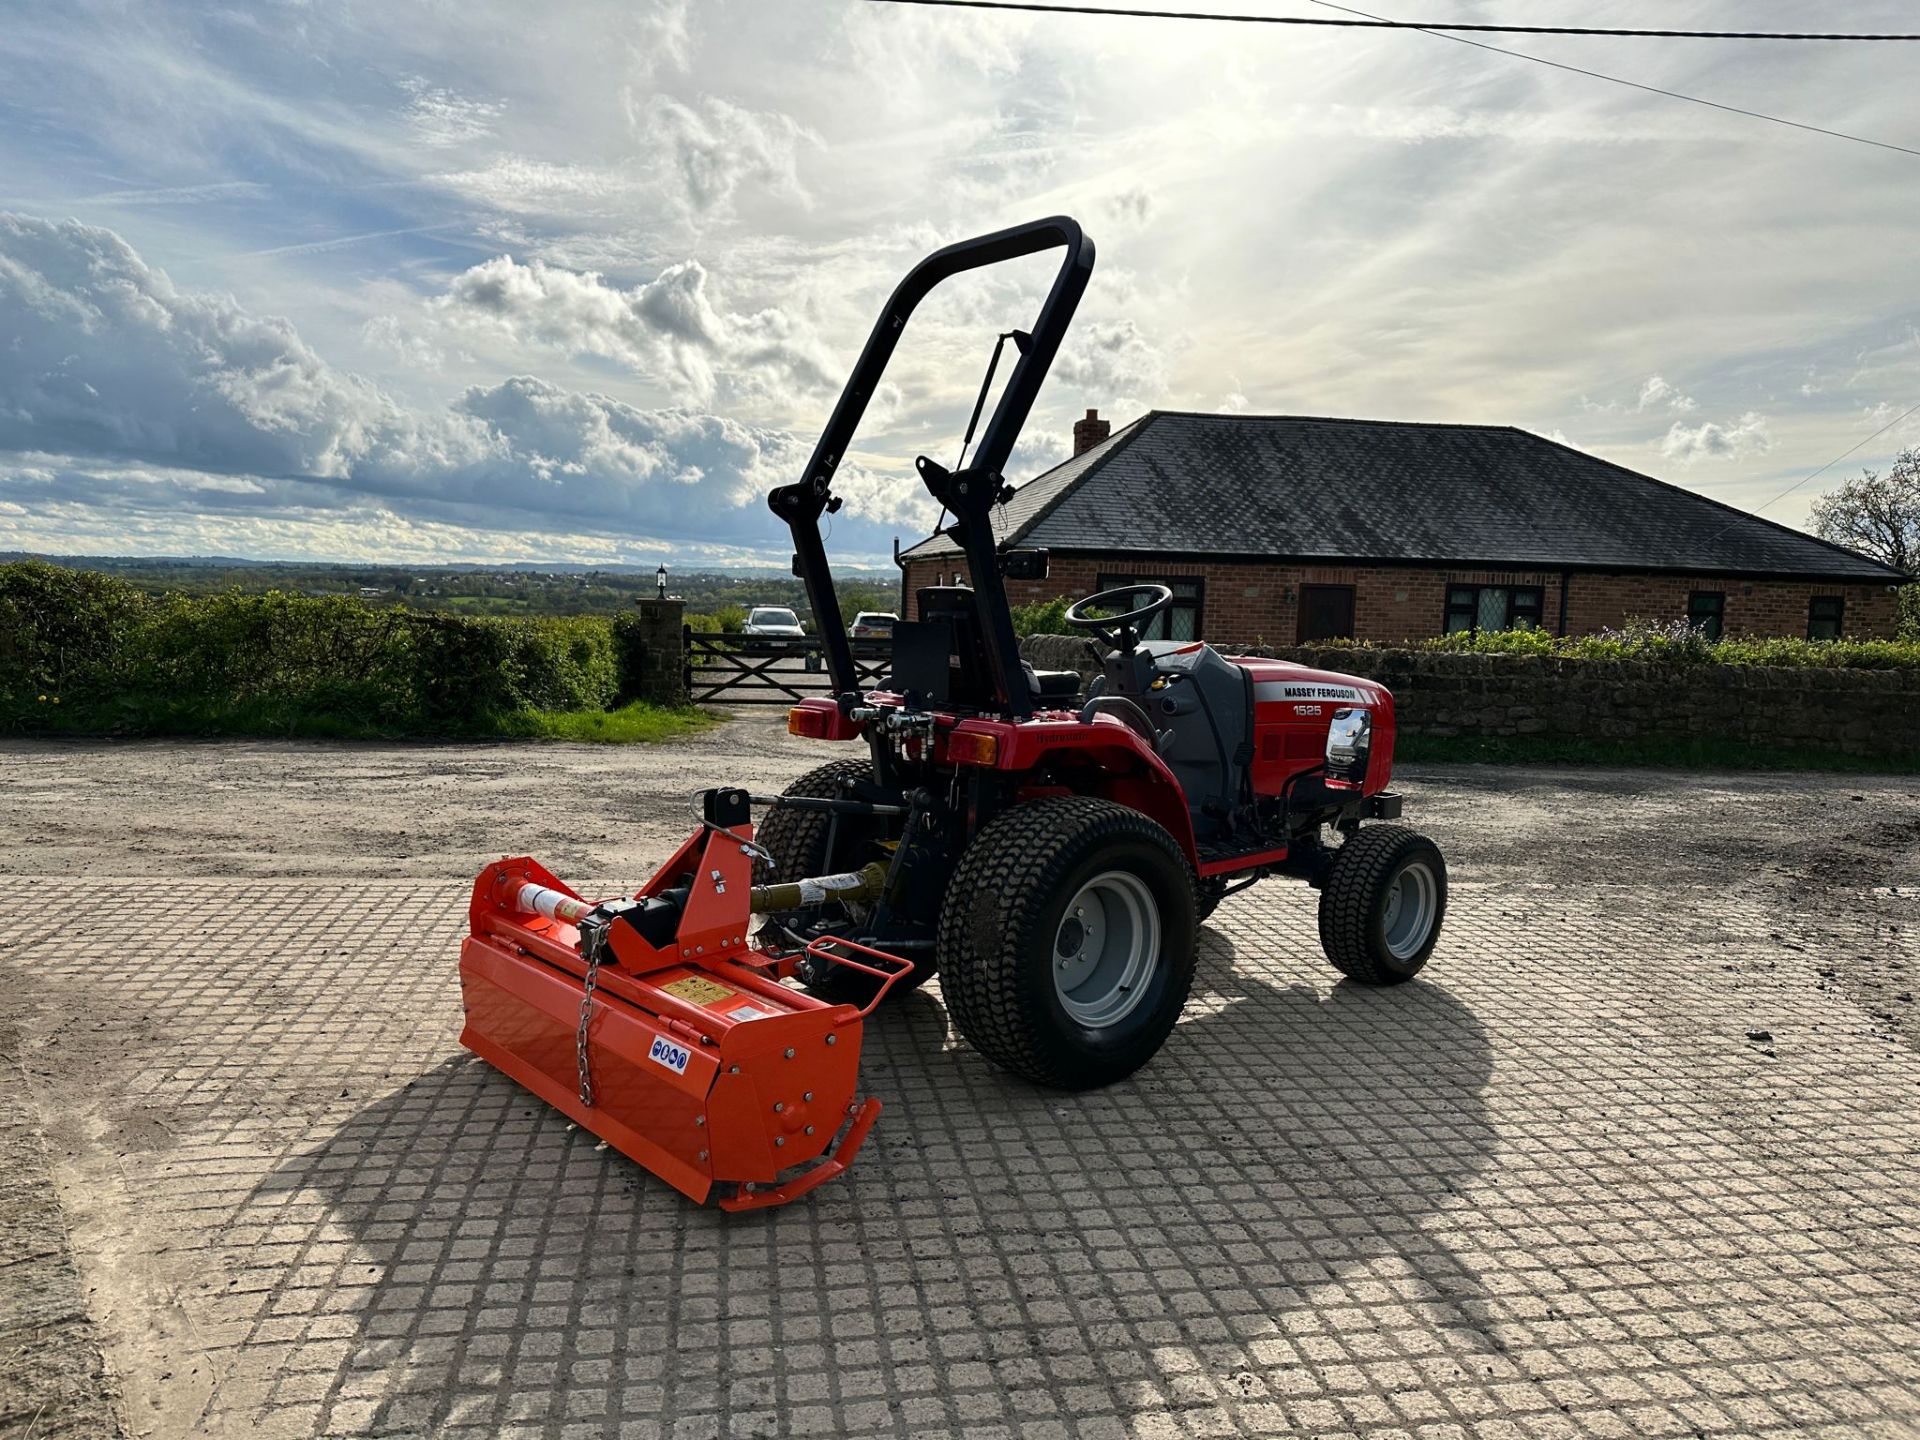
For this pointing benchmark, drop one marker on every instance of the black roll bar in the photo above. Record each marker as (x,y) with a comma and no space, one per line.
(970,493)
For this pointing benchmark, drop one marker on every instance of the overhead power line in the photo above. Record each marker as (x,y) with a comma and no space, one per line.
(1439,34)
(1436,27)
(1857,445)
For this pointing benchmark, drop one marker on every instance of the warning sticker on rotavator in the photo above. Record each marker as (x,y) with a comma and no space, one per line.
(697,990)
(1303,690)
(674,1057)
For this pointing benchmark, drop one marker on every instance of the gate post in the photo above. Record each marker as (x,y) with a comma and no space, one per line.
(653,653)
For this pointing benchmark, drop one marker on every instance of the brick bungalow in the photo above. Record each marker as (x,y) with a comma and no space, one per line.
(1282,529)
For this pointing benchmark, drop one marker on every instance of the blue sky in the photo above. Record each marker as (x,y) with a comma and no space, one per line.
(427,282)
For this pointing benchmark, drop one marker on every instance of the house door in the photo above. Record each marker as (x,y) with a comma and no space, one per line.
(1326,613)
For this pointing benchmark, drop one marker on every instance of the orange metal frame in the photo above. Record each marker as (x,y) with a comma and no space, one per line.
(706,1069)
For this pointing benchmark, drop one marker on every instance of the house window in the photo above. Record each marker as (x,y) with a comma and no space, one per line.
(1181,619)
(1474,608)
(1824,614)
(1707,612)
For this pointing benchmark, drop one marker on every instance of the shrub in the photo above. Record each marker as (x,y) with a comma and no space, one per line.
(112,658)
(62,630)
(288,653)
(1042,617)
(1676,643)
(465,670)
(566,663)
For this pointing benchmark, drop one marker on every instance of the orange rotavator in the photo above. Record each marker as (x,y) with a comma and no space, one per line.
(653,1024)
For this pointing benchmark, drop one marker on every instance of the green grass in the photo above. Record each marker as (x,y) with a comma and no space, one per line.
(1699,754)
(634,724)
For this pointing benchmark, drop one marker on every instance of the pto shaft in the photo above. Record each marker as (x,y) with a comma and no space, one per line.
(860,886)
(554,904)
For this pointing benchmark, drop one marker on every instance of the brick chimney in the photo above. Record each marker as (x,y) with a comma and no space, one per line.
(1090,432)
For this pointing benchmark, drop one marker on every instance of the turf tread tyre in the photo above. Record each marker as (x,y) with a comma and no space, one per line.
(997,906)
(797,840)
(1351,896)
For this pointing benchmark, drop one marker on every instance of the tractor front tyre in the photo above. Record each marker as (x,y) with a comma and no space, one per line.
(1066,946)
(798,842)
(1382,904)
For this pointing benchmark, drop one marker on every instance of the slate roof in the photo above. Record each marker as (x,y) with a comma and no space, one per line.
(1304,488)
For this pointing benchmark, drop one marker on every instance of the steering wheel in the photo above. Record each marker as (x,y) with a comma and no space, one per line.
(1122,632)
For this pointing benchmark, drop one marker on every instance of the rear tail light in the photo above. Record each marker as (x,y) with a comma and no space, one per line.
(814,724)
(972,748)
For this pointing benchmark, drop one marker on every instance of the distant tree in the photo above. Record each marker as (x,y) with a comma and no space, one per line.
(853,601)
(1878,515)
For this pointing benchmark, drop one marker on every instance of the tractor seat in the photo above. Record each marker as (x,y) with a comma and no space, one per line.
(1053,684)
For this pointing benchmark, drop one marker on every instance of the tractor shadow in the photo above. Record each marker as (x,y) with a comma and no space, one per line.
(1289,1151)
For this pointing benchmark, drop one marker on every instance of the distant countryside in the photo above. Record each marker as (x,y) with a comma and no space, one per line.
(716,599)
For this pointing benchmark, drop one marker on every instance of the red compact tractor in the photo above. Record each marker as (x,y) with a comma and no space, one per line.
(1050,855)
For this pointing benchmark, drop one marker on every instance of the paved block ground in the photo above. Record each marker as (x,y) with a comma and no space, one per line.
(1551,1189)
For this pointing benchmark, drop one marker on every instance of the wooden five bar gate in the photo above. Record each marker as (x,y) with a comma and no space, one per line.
(764,670)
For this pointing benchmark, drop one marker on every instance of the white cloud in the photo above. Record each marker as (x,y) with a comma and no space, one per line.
(1658,393)
(1709,441)
(122,391)
(663,38)
(518,185)
(668,328)
(1132,206)
(713,147)
(363,531)
(1037,451)
(441,117)
(217,190)
(1114,362)
(385,333)
(108,357)
(1323,225)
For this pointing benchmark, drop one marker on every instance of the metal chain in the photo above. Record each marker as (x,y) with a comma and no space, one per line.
(582,1066)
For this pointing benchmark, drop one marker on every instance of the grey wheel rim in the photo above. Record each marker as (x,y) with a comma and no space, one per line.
(1406,918)
(1105,949)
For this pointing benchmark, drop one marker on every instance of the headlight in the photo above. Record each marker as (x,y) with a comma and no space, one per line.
(1349,740)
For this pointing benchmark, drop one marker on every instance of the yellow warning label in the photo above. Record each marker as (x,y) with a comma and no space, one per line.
(698,990)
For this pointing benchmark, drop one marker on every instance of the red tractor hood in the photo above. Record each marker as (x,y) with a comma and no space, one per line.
(1292,708)
(1282,680)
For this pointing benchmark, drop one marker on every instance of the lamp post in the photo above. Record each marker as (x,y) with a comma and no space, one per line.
(660,579)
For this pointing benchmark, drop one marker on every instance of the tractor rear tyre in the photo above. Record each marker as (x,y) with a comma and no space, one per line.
(1381,907)
(797,840)
(1066,944)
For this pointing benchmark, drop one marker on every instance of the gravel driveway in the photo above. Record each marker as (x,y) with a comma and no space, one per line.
(1638,1155)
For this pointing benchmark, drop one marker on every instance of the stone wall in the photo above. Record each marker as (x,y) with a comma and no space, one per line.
(1872,714)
